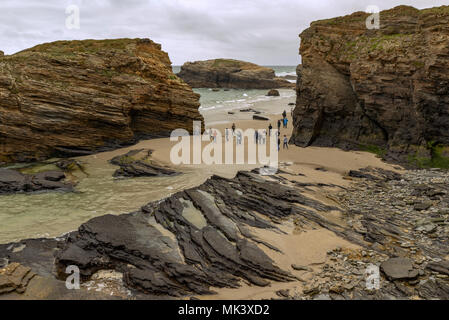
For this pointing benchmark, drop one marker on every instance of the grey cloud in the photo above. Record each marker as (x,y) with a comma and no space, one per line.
(262,31)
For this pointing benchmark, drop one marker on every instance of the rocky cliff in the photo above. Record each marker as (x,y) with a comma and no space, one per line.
(384,90)
(228,73)
(75,97)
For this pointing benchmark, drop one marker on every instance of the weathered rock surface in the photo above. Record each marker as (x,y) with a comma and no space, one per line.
(228,73)
(399,269)
(138,163)
(12,181)
(191,241)
(386,88)
(71,98)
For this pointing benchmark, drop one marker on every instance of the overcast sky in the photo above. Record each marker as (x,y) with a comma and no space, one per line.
(260,31)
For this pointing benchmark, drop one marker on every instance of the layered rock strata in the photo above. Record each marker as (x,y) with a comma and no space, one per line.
(382,90)
(70,98)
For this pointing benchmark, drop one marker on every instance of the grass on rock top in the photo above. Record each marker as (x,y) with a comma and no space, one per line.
(88,46)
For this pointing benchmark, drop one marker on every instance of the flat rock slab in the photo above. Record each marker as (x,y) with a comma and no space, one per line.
(399,269)
(12,181)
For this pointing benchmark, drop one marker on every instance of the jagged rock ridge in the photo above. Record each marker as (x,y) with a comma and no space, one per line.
(191,241)
(74,97)
(385,89)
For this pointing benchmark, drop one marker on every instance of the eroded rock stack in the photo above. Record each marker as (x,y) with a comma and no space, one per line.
(229,73)
(385,88)
(71,98)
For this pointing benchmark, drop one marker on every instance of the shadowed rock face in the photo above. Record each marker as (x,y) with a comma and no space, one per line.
(228,73)
(386,88)
(71,98)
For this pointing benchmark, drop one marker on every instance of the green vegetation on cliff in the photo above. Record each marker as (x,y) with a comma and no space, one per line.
(437,159)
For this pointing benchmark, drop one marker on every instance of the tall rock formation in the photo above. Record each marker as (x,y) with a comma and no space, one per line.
(75,97)
(384,90)
(228,73)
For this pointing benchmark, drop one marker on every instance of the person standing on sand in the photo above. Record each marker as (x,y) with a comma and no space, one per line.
(285,122)
(279,125)
(215,136)
(227,134)
(285,142)
(270,127)
(233,128)
(264,137)
(239,137)
(284,114)
(279,143)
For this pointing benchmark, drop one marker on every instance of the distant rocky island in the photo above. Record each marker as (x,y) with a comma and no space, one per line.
(232,74)
(380,90)
(70,98)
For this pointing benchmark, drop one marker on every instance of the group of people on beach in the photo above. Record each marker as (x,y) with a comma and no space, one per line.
(212,135)
(284,122)
(238,135)
(260,136)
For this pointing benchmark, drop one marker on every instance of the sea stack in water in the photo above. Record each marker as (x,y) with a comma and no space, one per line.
(386,88)
(228,73)
(71,98)
(273,93)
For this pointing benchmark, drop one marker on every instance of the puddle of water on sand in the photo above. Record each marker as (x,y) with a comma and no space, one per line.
(193,215)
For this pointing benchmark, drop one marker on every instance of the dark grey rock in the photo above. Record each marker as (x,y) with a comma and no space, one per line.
(260,118)
(132,165)
(440,267)
(12,181)
(399,269)
(423,205)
